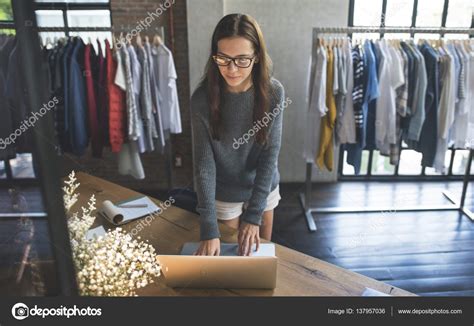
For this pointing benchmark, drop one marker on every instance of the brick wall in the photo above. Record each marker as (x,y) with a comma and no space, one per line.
(128,13)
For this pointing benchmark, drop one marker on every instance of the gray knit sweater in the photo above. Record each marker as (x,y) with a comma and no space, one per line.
(236,168)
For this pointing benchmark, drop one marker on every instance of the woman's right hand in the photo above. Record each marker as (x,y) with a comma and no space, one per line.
(210,247)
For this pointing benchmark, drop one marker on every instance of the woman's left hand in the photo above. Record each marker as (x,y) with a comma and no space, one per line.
(248,235)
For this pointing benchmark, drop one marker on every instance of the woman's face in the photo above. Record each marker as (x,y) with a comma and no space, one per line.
(238,79)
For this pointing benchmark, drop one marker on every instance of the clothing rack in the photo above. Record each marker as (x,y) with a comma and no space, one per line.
(126,29)
(305,198)
(121,28)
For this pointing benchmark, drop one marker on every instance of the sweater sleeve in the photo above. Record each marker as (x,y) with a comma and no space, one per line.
(205,176)
(266,166)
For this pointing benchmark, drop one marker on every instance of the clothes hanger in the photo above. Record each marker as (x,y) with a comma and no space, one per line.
(322,41)
(49,44)
(139,40)
(157,40)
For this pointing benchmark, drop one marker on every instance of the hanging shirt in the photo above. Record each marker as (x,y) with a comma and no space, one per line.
(66,59)
(402,91)
(412,80)
(358,91)
(103,107)
(155,101)
(325,157)
(418,118)
(115,99)
(335,64)
(124,80)
(390,78)
(77,105)
(166,72)
(129,162)
(358,94)
(346,132)
(446,108)
(371,92)
(317,104)
(146,101)
(341,91)
(96,141)
(136,87)
(470,136)
(318,92)
(459,131)
(429,133)
(457,69)
(401,96)
(128,158)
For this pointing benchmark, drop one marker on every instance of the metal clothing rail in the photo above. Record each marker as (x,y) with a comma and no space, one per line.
(122,28)
(7,25)
(398,30)
(305,198)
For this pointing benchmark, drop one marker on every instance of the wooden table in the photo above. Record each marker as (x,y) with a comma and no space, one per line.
(297,274)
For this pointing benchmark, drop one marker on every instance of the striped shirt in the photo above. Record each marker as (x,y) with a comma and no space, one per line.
(358,90)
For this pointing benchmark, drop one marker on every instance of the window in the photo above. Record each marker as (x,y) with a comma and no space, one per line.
(3,172)
(408,13)
(89,19)
(367,13)
(399,13)
(460,13)
(429,13)
(6,10)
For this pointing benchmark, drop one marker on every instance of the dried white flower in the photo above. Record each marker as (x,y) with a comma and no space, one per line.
(111,265)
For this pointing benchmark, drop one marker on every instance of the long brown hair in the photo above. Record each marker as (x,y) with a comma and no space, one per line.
(245,26)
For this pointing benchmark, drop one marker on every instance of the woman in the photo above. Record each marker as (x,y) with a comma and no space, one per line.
(237,123)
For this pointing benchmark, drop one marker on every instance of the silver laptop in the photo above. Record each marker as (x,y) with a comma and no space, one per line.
(229,270)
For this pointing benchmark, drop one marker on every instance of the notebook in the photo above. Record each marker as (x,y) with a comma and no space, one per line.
(368,292)
(120,215)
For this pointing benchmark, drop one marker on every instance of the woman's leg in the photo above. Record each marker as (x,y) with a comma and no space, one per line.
(267,225)
(233,223)
(265,228)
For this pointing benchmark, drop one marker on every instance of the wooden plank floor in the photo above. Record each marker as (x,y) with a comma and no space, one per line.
(428,253)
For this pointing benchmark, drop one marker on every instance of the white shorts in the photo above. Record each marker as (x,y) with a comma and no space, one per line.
(229,211)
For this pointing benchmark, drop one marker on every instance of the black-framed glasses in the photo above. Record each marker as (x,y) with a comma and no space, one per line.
(241,62)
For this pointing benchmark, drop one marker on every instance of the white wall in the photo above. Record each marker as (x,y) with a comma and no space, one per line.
(287,28)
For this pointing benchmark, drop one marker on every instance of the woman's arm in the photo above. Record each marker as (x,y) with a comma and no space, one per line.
(205,177)
(266,165)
